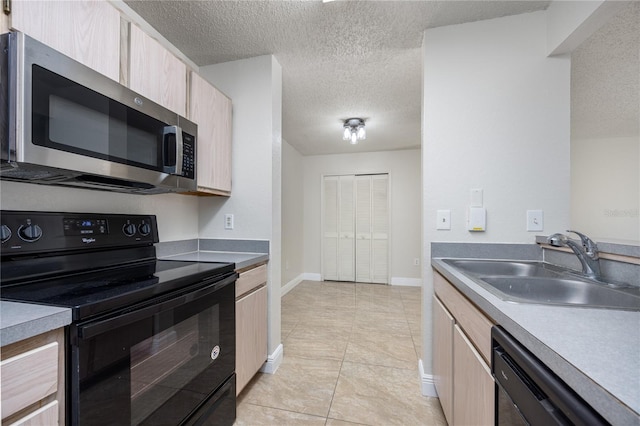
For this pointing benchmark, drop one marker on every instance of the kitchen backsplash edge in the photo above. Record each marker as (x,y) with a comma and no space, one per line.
(170,248)
(612,270)
(506,251)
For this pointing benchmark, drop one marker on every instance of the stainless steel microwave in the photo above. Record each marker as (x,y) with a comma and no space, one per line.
(63,123)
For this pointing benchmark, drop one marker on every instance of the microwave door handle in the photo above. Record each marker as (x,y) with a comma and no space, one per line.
(173,169)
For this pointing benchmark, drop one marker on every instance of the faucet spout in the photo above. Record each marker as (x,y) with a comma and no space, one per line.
(586,251)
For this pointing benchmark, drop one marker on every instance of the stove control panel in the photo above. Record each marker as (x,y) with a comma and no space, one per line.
(25,232)
(86,226)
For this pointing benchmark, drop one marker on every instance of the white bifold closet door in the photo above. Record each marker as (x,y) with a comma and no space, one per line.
(356,228)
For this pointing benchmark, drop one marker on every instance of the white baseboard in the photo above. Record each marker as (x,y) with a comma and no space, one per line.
(273,361)
(410,282)
(427,383)
(291,285)
(309,276)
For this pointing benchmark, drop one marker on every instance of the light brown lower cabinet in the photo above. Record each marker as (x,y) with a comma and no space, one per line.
(473,386)
(443,324)
(462,335)
(251,324)
(32,380)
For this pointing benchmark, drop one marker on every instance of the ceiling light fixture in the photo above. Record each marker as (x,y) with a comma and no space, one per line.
(354,130)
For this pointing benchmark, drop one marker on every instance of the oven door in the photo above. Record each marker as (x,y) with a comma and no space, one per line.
(164,363)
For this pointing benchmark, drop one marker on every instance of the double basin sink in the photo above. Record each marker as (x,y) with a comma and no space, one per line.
(543,283)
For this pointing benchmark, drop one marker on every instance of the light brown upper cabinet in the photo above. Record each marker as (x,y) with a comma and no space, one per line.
(4,23)
(211,110)
(156,73)
(87,31)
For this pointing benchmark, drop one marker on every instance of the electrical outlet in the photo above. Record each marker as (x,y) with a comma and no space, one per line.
(535,220)
(228,221)
(416,261)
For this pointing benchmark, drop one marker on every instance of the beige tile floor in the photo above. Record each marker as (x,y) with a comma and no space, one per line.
(350,357)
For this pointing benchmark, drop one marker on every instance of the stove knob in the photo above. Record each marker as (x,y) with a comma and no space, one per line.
(5,233)
(30,232)
(129,229)
(144,229)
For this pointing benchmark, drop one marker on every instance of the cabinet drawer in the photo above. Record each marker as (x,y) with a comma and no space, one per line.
(47,415)
(29,377)
(251,279)
(474,323)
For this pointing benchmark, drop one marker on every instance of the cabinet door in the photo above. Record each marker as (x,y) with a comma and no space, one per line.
(363,229)
(211,111)
(443,324)
(87,31)
(473,396)
(156,73)
(346,228)
(380,229)
(251,336)
(330,228)
(4,23)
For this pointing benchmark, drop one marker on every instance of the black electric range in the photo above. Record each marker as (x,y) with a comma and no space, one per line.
(142,313)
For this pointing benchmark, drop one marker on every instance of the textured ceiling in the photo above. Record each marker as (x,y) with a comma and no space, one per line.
(339,59)
(605,79)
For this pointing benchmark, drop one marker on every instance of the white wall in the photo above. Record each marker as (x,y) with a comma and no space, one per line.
(605,188)
(292,214)
(569,23)
(177,214)
(255,86)
(404,174)
(248,83)
(496,117)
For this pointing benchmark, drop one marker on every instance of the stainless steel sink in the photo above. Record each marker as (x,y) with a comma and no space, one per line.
(564,291)
(539,282)
(511,268)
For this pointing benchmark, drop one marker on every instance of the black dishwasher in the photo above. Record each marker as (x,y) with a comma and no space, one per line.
(528,393)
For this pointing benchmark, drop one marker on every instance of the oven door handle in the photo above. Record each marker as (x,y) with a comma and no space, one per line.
(98,327)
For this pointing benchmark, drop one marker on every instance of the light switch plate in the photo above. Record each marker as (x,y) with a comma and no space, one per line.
(535,220)
(476,197)
(443,219)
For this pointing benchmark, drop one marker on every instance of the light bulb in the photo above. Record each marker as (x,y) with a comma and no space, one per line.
(361,133)
(354,138)
(347,134)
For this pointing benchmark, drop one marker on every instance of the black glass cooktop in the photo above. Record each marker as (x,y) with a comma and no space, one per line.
(98,292)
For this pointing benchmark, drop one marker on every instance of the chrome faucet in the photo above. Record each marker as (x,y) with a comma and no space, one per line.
(587,252)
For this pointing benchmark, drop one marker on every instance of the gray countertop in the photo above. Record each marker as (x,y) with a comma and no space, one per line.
(595,351)
(19,321)
(242,260)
